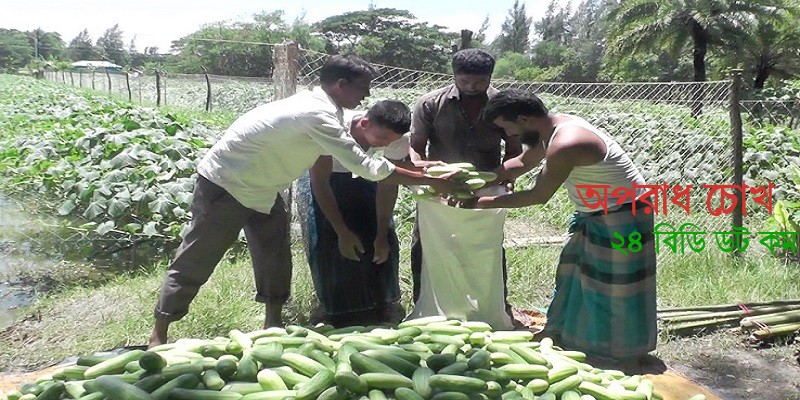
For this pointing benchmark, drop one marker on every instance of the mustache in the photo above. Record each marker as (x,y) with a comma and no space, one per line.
(529,138)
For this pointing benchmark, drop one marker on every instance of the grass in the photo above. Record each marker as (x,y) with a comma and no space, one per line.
(82,319)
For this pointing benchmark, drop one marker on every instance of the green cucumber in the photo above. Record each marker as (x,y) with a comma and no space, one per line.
(455,383)
(115,388)
(114,365)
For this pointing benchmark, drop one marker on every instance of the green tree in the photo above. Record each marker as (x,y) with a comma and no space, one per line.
(47,45)
(239,48)
(149,57)
(645,26)
(660,67)
(509,63)
(554,26)
(553,44)
(112,48)
(587,38)
(515,31)
(15,50)
(570,46)
(389,36)
(231,48)
(772,49)
(80,47)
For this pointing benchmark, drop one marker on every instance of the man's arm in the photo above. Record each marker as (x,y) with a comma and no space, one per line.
(421,128)
(553,175)
(349,244)
(513,147)
(521,164)
(385,199)
(326,130)
(328,133)
(570,149)
(442,183)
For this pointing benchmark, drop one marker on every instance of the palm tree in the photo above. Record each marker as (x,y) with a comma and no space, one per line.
(773,49)
(653,25)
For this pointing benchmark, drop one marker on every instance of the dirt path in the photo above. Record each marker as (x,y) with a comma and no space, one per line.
(726,364)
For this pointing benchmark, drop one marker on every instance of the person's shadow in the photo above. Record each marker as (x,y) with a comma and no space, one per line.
(647,364)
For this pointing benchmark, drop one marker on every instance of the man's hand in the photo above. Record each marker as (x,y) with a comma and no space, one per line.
(445,185)
(475,202)
(467,203)
(426,163)
(381,246)
(350,245)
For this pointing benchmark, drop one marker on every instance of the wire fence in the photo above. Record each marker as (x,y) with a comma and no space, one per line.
(681,135)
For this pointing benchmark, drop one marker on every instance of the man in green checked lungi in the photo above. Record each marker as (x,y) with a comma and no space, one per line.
(605,300)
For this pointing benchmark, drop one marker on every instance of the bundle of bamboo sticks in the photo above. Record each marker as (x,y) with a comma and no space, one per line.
(763,320)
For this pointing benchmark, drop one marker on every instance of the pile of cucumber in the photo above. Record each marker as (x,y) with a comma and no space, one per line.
(430,358)
(464,172)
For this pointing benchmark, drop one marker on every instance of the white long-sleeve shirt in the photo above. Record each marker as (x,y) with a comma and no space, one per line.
(270,146)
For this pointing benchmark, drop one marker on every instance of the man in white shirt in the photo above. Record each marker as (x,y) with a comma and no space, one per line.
(241,176)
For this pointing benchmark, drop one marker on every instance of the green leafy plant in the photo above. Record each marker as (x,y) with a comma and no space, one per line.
(786,214)
(125,170)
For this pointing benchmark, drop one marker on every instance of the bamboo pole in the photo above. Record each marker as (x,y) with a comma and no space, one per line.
(770,319)
(734,306)
(775,331)
(736,314)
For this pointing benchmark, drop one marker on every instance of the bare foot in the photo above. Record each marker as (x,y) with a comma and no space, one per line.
(159,334)
(272,315)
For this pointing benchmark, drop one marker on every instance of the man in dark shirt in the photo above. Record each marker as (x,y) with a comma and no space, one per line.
(447,127)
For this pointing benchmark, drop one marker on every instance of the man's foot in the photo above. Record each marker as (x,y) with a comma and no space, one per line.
(392,313)
(272,315)
(159,334)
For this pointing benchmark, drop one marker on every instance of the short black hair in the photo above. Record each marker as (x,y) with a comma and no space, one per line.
(511,103)
(473,61)
(392,114)
(349,66)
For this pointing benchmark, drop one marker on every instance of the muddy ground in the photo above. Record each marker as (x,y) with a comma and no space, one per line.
(727,364)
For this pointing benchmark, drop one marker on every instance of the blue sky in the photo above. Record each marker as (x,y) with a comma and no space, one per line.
(158,22)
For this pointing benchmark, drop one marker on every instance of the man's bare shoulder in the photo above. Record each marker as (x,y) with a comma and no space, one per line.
(578,143)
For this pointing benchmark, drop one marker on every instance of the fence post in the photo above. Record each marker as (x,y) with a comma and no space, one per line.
(128,85)
(165,89)
(108,77)
(284,72)
(738,155)
(284,79)
(158,89)
(208,90)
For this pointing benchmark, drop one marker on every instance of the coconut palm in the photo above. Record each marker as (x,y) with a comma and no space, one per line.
(654,25)
(771,50)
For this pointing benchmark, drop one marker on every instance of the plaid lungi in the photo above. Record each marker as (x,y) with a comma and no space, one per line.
(347,286)
(605,301)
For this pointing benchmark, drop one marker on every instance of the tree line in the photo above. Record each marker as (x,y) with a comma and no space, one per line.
(596,41)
